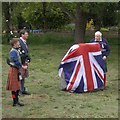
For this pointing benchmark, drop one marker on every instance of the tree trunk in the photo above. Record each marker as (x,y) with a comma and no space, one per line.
(80,26)
(98,24)
(44,16)
(6,10)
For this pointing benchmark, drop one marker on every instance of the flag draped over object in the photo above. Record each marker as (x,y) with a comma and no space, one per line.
(82,68)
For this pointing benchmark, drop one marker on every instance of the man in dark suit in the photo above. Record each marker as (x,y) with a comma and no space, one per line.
(24,53)
(105,49)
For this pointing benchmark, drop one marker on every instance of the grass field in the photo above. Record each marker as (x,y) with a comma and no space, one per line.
(0,81)
(47,100)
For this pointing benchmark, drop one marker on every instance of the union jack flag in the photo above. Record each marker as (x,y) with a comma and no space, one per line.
(83,68)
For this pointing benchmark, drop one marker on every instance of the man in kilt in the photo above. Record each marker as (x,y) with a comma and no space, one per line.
(24,54)
(13,82)
(105,49)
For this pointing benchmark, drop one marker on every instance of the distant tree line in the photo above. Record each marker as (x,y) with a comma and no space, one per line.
(55,15)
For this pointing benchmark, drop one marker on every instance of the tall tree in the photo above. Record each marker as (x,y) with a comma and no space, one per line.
(79,15)
(44,15)
(6,11)
(80,12)
(44,5)
(110,14)
(20,22)
(118,18)
(80,24)
(7,8)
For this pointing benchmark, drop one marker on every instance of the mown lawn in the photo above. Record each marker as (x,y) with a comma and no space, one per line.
(0,82)
(47,100)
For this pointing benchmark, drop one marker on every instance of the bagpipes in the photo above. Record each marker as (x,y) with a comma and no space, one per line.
(25,58)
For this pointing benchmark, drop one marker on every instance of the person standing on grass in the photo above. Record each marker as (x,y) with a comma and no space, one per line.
(105,49)
(24,53)
(13,82)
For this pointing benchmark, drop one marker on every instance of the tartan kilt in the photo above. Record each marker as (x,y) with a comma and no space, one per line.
(13,83)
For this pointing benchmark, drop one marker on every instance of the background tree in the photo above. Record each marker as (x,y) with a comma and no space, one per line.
(110,14)
(55,15)
(104,14)
(44,16)
(7,8)
(118,19)
(20,21)
(44,4)
(79,14)
(6,12)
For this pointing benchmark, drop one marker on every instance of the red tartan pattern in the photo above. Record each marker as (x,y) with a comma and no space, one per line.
(13,83)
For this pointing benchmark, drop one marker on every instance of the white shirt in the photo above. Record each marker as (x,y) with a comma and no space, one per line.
(23,40)
(99,40)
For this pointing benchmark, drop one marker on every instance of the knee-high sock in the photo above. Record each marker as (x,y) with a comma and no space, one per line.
(16,94)
(14,97)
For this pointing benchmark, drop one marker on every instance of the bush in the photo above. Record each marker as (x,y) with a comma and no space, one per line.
(49,38)
(44,38)
(5,39)
(104,29)
(114,28)
(69,27)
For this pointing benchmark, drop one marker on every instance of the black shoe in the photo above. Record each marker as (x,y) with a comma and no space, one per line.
(26,93)
(18,104)
(14,105)
(20,94)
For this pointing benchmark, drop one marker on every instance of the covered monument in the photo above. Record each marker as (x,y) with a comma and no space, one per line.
(82,68)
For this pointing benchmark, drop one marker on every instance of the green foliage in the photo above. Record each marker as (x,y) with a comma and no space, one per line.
(4,39)
(50,38)
(3,23)
(45,38)
(52,17)
(104,14)
(9,13)
(110,14)
(104,29)
(118,15)
(69,27)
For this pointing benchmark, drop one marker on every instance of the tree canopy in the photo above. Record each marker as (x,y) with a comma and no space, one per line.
(55,15)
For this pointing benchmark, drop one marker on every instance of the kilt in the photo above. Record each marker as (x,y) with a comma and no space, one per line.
(13,83)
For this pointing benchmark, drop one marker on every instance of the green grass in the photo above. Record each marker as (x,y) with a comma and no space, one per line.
(0,81)
(47,100)
(45,38)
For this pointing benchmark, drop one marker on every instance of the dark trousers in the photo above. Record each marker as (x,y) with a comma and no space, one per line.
(104,79)
(22,88)
(15,96)
(105,66)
